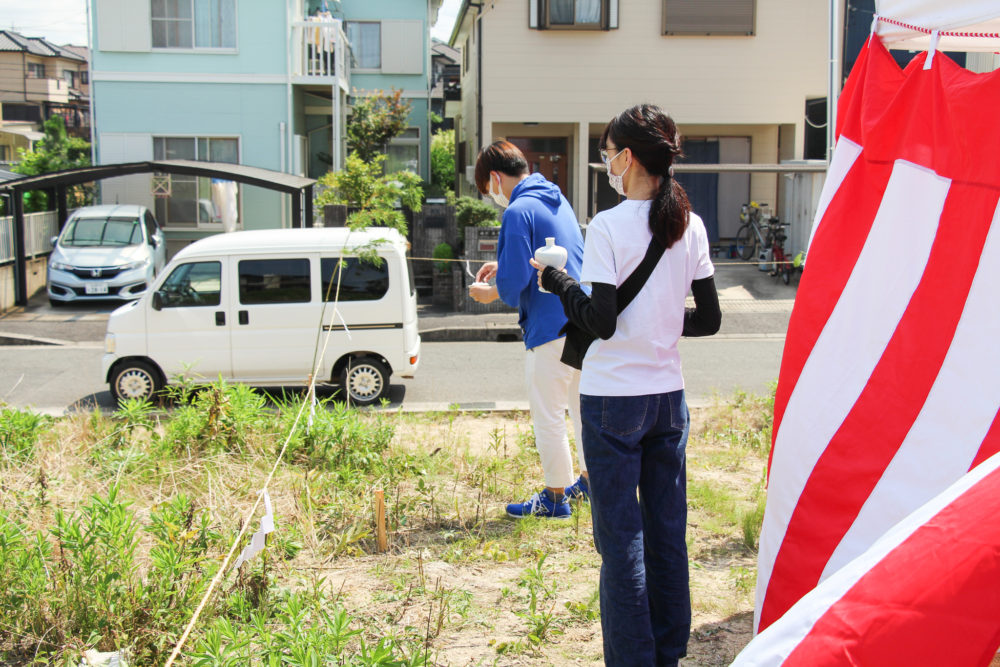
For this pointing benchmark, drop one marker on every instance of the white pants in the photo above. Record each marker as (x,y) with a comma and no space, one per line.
(553,388)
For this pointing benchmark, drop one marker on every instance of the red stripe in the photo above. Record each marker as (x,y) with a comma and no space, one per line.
(834,252)
(933,600)
(864,445)
(991,443)
(874,80)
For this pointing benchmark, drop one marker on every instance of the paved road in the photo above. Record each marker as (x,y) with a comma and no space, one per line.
(54,379)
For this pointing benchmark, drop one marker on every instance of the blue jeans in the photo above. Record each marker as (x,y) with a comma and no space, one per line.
(638,442)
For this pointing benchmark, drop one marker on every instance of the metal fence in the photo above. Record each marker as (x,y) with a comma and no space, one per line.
(39,230)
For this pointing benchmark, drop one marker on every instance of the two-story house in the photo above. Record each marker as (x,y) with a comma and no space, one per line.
(261,84)
(38,80)
(736,75)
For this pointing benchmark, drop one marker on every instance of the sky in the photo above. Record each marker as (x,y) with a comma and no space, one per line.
(65,21)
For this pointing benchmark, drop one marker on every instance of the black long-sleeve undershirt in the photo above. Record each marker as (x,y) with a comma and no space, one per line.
(598,313)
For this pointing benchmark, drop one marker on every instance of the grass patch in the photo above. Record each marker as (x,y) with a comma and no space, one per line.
(113,525)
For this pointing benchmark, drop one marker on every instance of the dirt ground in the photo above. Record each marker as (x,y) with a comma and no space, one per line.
(721,573)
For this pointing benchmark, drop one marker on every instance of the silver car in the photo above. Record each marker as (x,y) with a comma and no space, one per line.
(105,252)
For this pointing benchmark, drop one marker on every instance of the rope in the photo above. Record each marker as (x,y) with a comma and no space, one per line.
(943,33)
(318,354)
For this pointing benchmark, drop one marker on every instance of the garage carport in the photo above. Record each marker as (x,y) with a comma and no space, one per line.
(299,188)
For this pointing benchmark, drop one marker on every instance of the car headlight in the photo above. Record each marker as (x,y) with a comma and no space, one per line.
(109,343)
(142,263)
(60,266)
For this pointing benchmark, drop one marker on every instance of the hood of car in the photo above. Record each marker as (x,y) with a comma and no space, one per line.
(88,257)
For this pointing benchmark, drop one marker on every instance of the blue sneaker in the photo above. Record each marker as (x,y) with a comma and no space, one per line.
(541,504)
(579,489)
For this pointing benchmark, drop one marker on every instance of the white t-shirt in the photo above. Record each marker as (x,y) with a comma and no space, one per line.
(641,357)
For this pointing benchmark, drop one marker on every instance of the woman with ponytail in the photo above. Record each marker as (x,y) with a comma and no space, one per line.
(635,419)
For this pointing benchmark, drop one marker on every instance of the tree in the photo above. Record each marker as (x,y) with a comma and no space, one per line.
(375,120)
(55,152)
(442,163)
(373,196)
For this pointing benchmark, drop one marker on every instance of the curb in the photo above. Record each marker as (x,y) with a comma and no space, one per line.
(471,335)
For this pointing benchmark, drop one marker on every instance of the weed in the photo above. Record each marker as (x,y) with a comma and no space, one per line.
(19,431)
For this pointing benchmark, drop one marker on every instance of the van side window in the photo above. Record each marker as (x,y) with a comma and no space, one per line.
(194,284)
(274,281)
(359,280)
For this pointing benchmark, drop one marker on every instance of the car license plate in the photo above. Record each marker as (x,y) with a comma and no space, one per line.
(97,288)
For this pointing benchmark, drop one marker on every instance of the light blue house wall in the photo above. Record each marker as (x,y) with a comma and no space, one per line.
(251,90)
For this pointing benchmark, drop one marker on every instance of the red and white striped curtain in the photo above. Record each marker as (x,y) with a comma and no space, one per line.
(890,382)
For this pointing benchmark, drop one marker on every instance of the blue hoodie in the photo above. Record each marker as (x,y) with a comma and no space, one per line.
(537,209)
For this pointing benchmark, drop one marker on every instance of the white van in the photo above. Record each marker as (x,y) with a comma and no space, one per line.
(259,306)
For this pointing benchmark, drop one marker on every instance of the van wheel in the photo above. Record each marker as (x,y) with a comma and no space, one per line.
(364,380)
(135,379)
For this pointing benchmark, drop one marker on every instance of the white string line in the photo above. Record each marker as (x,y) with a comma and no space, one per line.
(310,394)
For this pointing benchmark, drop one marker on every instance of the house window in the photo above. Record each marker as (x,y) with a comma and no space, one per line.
(404,152)
(70,77)
(190,202)
(36,70)
(84,77)
(708,17)
(359,280)
(200,24)
(573,14)
(366,43)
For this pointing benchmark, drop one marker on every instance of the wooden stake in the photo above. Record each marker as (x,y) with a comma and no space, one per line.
(383,544)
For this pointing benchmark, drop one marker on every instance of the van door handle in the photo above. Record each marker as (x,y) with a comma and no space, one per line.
(220,318)
(244,317)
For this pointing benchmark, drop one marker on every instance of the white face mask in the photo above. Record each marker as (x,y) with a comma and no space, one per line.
(617,181)
(499,197)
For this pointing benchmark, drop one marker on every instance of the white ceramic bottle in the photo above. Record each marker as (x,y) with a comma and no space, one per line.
(551,255)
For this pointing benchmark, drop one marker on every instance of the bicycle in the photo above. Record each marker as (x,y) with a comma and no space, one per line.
(751,233)
(781,264)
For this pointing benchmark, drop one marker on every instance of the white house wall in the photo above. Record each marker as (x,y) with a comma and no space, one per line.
(713,86)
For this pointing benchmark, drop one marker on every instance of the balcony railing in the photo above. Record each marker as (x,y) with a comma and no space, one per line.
(321,52)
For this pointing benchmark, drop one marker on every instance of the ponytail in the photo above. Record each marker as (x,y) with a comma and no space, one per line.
(669,212)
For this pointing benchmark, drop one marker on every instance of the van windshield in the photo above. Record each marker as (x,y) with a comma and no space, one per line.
(102,232)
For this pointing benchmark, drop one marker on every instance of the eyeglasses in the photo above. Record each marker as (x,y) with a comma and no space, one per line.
(606,157)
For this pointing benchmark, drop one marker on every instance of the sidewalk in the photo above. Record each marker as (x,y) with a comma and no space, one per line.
(753,304)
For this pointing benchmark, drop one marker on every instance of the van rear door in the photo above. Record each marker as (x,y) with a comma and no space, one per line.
(275,319)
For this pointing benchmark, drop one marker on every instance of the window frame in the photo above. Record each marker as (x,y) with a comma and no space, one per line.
(542,21)
(194,48)
(360,69)
(665,31)
(34,70)
(405,141)
(164,221)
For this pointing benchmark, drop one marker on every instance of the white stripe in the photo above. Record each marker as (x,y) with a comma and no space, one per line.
(887,272)
(776,643)
(958,412)
(844,156)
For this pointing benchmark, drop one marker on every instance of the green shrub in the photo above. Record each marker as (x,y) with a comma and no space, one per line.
(442,251)
(19,431)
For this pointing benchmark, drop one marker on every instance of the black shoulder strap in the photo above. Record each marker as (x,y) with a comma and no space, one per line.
(634,283)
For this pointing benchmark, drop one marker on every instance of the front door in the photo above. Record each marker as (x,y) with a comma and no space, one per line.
(189,334)
(547,156)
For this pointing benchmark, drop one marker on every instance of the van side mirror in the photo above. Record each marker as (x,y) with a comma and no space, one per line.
(155,242)
(53,241)
(156,301)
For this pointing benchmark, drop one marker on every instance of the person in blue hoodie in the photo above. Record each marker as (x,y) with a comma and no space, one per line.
(535,209)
